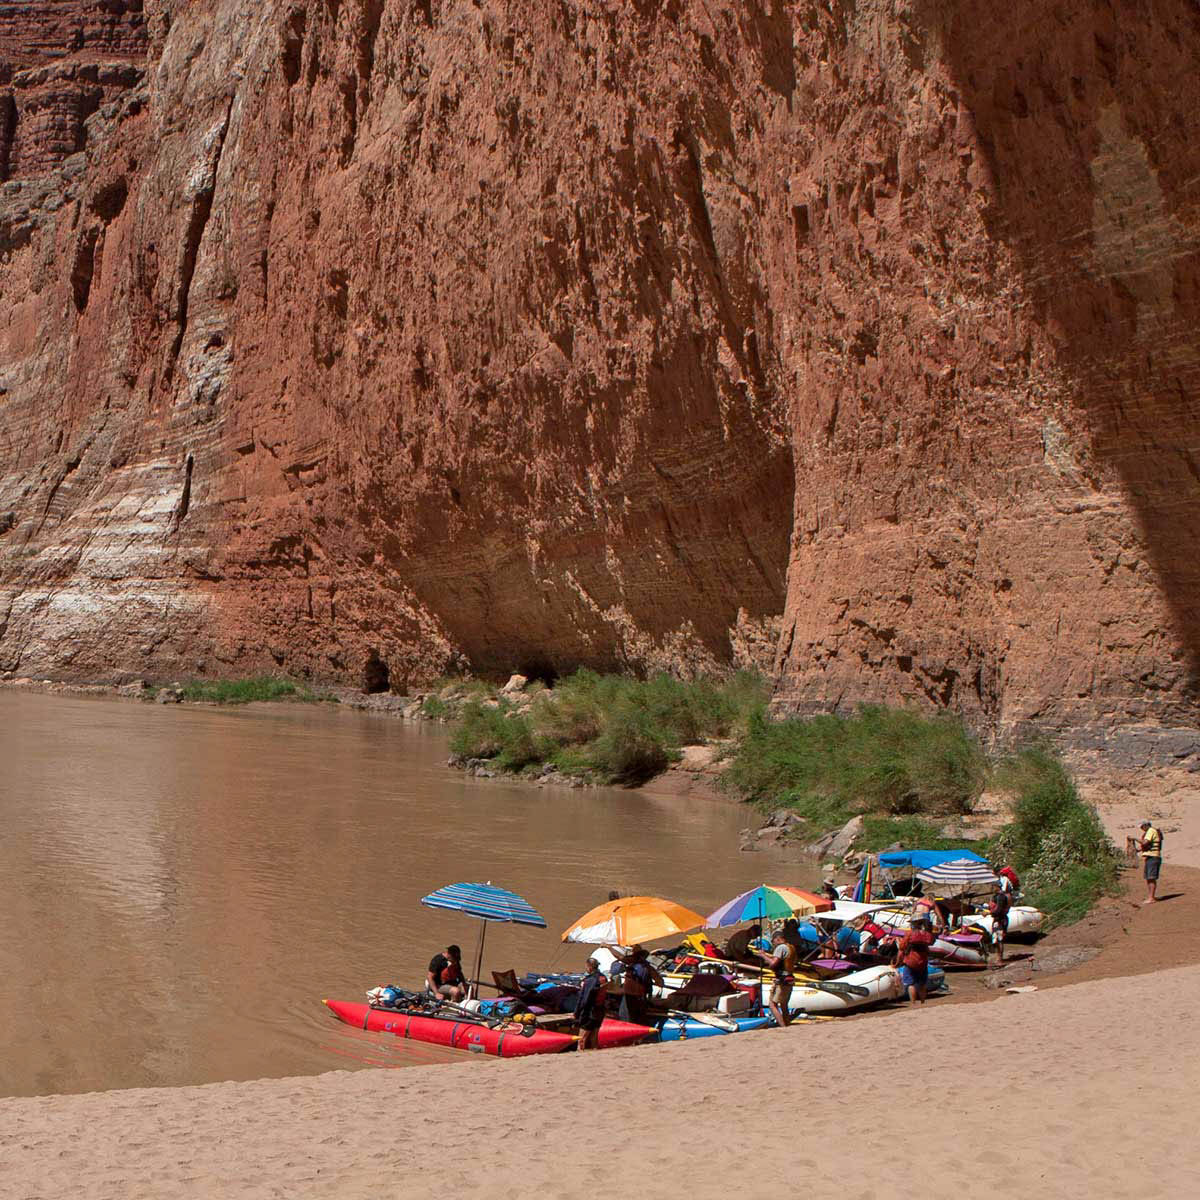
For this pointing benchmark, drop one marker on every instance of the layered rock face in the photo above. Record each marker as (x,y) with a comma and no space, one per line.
(627,334)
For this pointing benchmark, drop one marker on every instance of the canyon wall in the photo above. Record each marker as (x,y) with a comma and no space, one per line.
(858,340)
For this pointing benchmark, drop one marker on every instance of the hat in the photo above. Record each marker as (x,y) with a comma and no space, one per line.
(829,882)
(1145,825)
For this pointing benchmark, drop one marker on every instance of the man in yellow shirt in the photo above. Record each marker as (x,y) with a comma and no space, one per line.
(1150,848)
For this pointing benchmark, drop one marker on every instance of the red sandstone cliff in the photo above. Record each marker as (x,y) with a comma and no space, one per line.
(623,333)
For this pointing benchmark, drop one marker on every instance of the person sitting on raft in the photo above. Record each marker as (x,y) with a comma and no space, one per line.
(737,948)
(794,936)
(912,957)
(842,942)
(640,979)
(829,890)
(445,975)
(874,938)
(589,1009)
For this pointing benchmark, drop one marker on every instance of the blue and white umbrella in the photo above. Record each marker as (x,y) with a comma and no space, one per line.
(488,903)
(959,872)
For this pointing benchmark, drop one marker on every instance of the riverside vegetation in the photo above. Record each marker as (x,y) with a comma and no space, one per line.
(902,771)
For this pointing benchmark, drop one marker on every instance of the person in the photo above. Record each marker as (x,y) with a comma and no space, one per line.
(790,933)
(842,941)
(640,977)
(998,908)
(1009,882)
(1150,848)
(780,959)
(925,906)
(912,957)
(829,890)
(737,948)
(874,938)
(445,975)
(589,1009)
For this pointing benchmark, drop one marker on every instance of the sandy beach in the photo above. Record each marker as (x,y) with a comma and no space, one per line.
(1037,1094)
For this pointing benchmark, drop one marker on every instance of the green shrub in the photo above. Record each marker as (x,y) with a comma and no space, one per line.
(497,732)
(631,747)
(611,728)
(1056,841)
(880,760)
(434,708)
(244,691)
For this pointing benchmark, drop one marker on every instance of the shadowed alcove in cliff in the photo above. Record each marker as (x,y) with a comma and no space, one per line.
(1083,113)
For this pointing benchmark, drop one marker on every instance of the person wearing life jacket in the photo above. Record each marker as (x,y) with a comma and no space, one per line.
(912,957)
(998,908)
(1150,848)
(781,958)
(445,975)
(589,1008)
(637,987)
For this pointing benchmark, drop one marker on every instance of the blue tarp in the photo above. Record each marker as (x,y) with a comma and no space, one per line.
(920,859)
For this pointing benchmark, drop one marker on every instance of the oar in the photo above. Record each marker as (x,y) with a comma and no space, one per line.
(491,1022)
(837,988)
(414,1008)
(744,967)
(716,1020)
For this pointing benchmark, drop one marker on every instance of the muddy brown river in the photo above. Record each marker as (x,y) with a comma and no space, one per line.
(182,885)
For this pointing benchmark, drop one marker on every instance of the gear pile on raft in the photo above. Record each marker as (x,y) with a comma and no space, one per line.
(788,955)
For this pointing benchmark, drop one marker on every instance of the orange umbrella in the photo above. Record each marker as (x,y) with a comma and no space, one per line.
(632,919)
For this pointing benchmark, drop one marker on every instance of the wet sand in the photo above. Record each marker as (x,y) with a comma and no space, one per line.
(1051,1093)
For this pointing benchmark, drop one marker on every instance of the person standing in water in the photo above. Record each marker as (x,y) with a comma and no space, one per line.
(1150,850)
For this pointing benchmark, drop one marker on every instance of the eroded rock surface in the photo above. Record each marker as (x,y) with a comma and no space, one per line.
(857,338)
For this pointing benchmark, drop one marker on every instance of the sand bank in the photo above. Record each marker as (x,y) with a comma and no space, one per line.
(1049,1093)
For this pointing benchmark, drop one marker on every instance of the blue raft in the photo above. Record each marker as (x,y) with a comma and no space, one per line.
(683,1029)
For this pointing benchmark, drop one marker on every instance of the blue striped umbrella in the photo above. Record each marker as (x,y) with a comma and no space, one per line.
(488,903)
(961,873)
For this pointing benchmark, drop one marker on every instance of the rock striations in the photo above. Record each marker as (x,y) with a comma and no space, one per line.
(856,339)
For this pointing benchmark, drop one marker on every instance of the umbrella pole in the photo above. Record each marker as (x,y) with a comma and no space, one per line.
(761,972)
(473,990)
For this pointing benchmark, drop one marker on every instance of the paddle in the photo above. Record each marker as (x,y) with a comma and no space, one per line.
(415,1005)
(526,1030)
(837,988)
(716,1020)
(743,967)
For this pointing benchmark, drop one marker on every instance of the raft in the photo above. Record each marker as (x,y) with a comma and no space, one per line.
(505,1041)
(882,983)
(1022,919)
(681,1029)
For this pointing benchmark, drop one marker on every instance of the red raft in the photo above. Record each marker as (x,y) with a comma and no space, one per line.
(468,1035)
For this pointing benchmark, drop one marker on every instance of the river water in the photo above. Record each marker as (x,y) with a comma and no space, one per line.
(182,885)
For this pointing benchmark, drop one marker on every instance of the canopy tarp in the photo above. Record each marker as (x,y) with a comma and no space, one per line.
(921,859)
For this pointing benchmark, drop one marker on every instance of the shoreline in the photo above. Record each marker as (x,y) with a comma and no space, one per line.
(1122,797)
(1047,1080)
